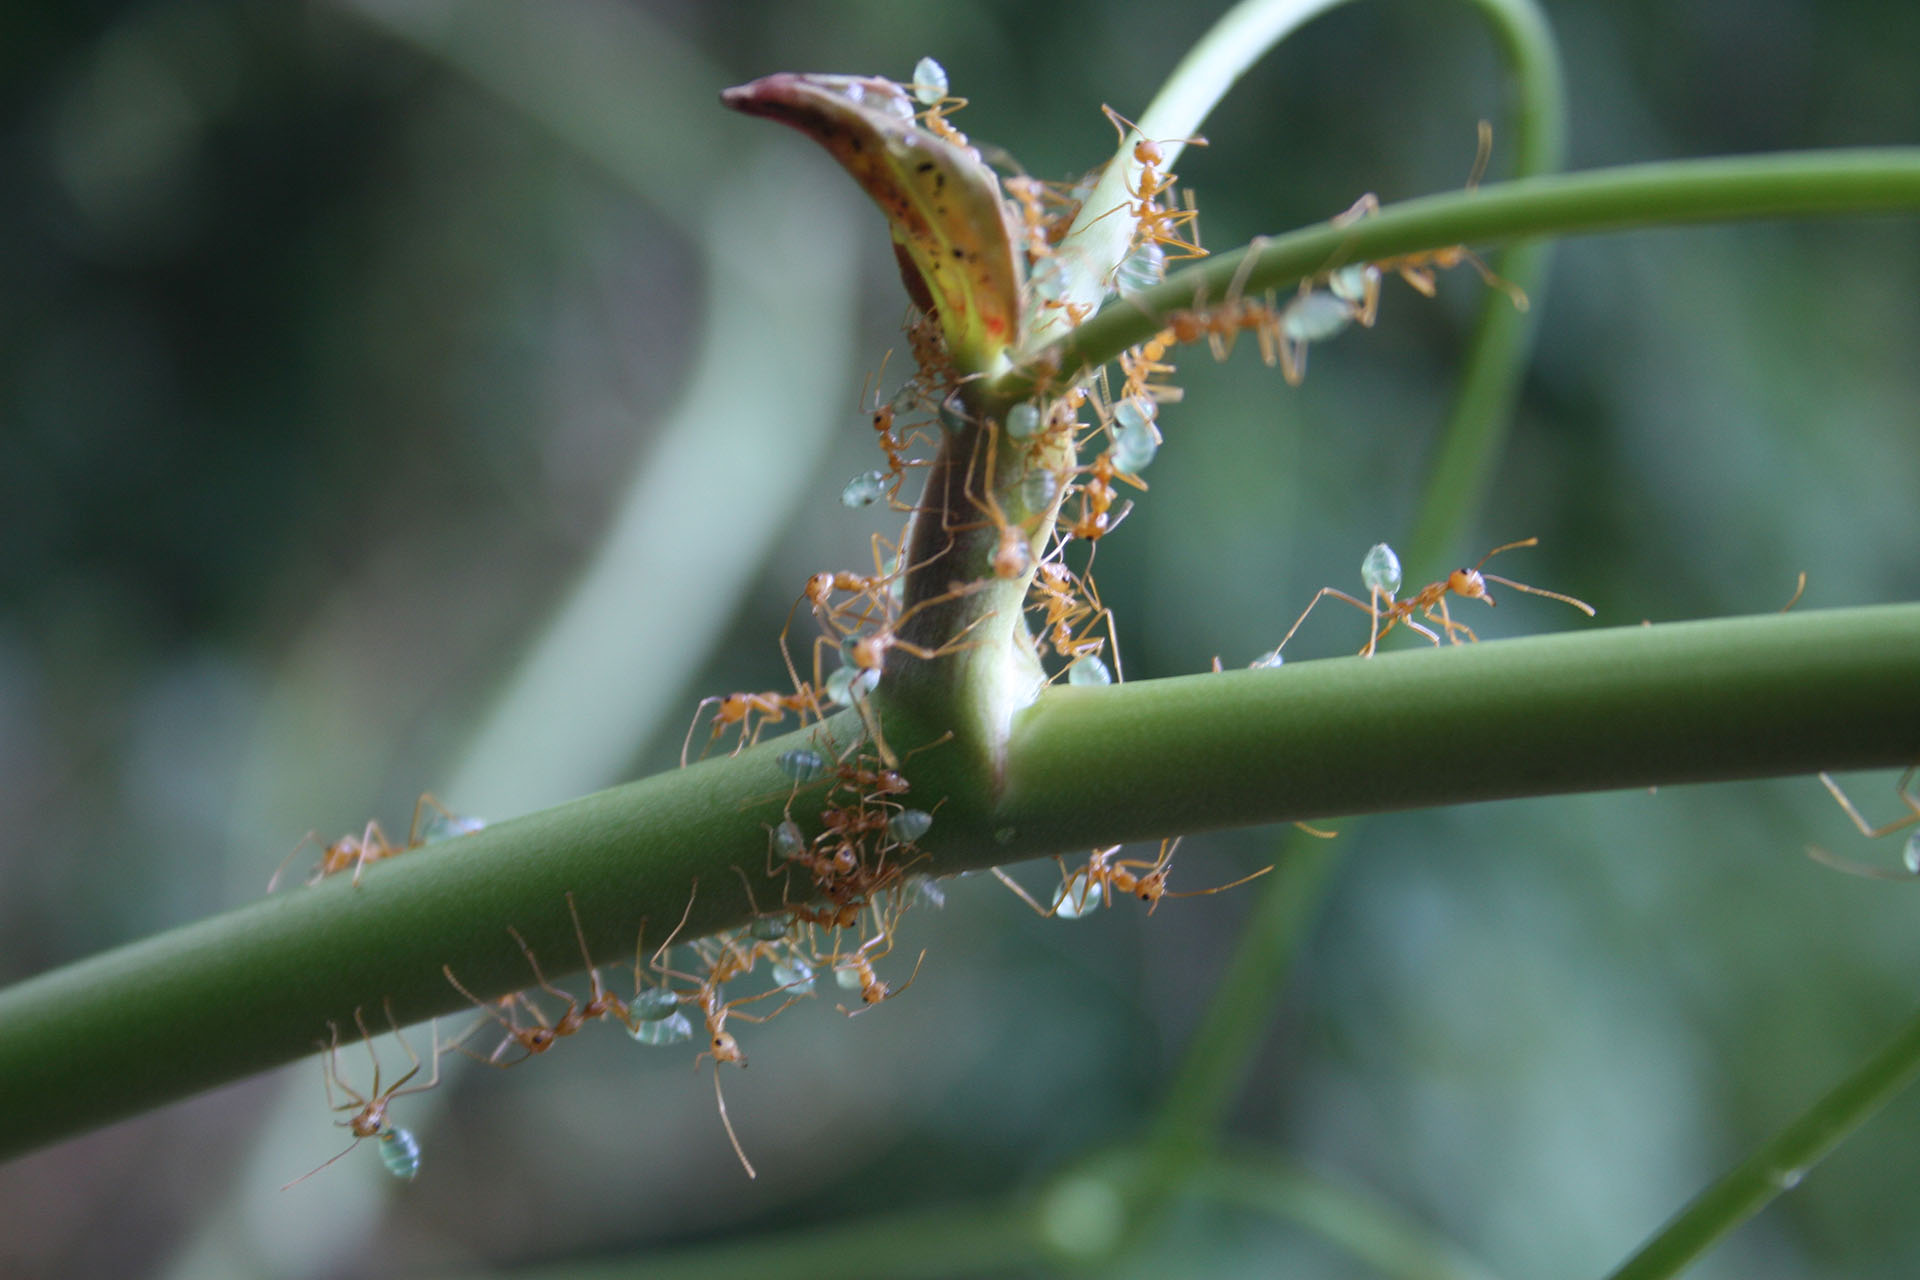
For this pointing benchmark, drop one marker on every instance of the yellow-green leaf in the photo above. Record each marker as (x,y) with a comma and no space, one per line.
(942,202)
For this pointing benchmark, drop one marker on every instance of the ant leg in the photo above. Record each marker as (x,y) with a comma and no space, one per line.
(1902,788)
(366,842)
(492,1010)
(687,744)
(1852,867)
(419,806)
(1365,207)
(684,916)
(313,838)
(1337,594)
(720,1100)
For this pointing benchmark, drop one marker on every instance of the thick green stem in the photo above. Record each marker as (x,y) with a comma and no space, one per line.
(1627,707)
(1637,706)
(1839,183)
(1780,1164)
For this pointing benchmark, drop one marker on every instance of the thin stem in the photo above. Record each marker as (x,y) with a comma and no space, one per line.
(1781,1163)
(1474,437)
(942,1241)
(1211,1074)
(1103,232)
(1837,183)
(1216,1062)
(1371,1231)
(1634,706)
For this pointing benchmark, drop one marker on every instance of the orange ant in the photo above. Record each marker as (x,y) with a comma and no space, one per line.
(1104,875)
(741,708)
(929,88)
(1030,195)
(1140,365)
(1097,517)
(1382,574)
(714,1011)
(892,443)
(843,619)
(371,845)
(600,1005)
(1055,584)
(859,965)
(1904,788)
(399,1151)
(869,652)
(1158,224)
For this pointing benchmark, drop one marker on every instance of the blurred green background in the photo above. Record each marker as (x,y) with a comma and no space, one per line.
(336,339)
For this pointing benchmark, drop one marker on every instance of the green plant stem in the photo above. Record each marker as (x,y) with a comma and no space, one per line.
(1473,440)
(971,1239)
(1211,1074)
(1369,1230)
(1781,1163)
(1627,707)
(1838,183)
(1638,706)
(1216,1062)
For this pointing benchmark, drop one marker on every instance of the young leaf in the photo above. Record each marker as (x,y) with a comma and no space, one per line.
(950,228)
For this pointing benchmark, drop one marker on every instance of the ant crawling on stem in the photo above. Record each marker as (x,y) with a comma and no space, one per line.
(601,1005)
(1380,572)
(1084,888)
(399,1150)
(1158,224)
(723,963)
(372,845)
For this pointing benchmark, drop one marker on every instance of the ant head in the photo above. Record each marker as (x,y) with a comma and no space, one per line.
(540,1039)
(819,586)
(1148,152)
(874,992)
(1468,583)
(727,1049)
(1151,886)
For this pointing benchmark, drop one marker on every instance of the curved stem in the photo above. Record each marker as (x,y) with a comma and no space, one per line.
(1780,1164)
(1474,437)
(1215,1064)
(1630,707)
(1836,183)
(1097,241)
